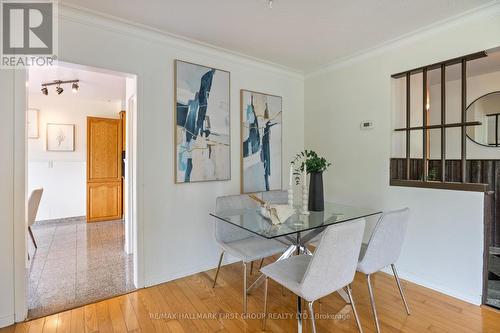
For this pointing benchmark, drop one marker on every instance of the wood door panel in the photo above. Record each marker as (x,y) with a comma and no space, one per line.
(104,201)
(104,172)
(104,145)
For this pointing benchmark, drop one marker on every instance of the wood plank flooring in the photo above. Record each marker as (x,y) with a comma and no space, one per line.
(191,305)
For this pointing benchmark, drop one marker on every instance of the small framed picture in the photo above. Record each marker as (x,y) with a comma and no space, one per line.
(32,120)
(60,137)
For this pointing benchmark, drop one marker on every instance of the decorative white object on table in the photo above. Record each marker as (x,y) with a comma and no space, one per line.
(276,213)
(290,187)
(305,193)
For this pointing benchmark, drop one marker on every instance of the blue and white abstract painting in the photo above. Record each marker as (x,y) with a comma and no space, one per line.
(202,123)
(261,142)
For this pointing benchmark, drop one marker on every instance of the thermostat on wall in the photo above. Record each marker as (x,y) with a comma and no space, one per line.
(366,124)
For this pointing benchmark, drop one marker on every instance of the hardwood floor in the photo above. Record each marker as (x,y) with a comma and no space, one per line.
(191,305)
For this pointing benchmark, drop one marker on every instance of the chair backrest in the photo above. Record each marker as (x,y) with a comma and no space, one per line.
(385,242)
(33,203)
(225,232)
(275,197)
(333,264)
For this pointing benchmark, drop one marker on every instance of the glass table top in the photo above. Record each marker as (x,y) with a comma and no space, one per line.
(251,220)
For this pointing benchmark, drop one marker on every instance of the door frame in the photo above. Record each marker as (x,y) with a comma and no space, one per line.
(20,192)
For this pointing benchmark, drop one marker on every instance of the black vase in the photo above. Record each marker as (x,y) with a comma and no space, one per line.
(316,198)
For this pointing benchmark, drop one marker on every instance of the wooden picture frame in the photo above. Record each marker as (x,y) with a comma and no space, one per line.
(179,123)
(274,116)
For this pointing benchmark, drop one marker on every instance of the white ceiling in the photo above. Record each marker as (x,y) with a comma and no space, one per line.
(300,34)
(94,85)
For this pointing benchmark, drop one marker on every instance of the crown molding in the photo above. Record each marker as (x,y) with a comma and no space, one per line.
(81,15)
(490,8)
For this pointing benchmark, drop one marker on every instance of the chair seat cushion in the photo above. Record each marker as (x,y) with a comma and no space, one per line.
(253,248)
(288,272)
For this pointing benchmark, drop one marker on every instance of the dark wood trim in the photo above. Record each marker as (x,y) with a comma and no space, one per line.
(408,124)
(464,119)
(443,122)
(440,185)
(462,124)
(436,65)
(425,133)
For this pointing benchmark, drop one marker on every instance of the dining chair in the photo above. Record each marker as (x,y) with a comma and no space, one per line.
(330,268)
(33,204)
(239,243)
(275,196)
(382,250)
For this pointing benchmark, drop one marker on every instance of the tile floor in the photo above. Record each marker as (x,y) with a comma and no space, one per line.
(76,263)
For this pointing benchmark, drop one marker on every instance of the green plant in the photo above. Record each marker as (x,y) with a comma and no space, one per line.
(309,160)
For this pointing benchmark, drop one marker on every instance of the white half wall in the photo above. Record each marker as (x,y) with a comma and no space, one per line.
(444,243)
(63,174)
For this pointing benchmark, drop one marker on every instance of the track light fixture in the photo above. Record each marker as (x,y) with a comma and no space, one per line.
(59,89)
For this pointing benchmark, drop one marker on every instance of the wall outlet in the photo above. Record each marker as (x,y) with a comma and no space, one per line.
(366,124)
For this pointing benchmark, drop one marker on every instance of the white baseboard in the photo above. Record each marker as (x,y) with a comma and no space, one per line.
(6,321)
(469,298)
(159,279)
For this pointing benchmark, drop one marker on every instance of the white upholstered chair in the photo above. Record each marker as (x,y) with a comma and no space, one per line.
(239,243)
(330,268)
(33,204)
(382,250)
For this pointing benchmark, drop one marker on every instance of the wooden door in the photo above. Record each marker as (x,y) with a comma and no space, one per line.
(104,174)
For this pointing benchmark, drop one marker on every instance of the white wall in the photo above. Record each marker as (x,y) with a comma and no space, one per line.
(444,242)
(6,198)
(63,174)
(175,231)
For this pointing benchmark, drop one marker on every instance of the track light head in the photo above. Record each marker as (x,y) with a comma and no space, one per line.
(45,91)
(75,87)
(59,90)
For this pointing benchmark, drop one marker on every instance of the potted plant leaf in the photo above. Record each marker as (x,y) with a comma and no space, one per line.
(314,166)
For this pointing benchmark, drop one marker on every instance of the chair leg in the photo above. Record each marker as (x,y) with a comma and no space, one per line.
(32,237)
(251,268)
(218,268)
(261,262)
(351,300)
(265,304)
(372,301)
(244,287)
(313,320)
(400,288)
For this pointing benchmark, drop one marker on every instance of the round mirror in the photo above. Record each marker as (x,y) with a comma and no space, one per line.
(486,110)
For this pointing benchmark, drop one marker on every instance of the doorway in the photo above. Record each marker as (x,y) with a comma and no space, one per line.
(79,186)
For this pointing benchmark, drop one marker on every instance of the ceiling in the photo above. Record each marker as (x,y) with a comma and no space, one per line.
(300,34)
(94,85)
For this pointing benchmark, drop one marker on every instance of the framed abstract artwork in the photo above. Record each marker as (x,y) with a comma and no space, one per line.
(32,120)
(60,137)
(202,123)
(261,144)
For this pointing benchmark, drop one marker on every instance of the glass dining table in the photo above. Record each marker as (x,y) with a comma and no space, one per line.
(296,232)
